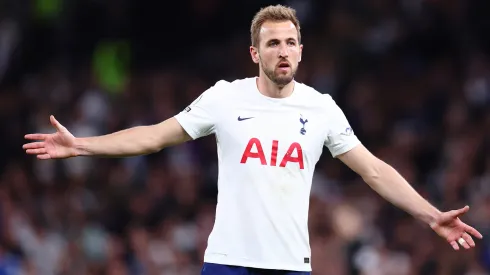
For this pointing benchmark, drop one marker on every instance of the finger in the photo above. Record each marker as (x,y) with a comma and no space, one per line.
(463,243)
(35,136)
(473,232)
(455,245)
(44,156)
(33,145)
(469,239)
(55,123)
(36,151)
(459,212)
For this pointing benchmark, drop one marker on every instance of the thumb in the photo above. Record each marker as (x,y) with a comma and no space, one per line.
(56,124)
(459,212)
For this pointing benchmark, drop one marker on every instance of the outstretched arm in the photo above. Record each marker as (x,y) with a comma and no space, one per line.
(134,141)
(387,182)
(197,120)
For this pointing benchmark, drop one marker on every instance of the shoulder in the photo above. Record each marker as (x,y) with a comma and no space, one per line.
(242,83)
(312,95)
(223,92)
(223,87)
(218,87)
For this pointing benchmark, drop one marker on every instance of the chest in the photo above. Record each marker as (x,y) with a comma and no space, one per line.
(273,133)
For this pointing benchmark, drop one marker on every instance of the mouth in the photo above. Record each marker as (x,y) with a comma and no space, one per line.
(283,64)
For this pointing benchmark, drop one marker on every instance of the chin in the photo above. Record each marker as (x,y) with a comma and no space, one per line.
(278,78)
(283,80)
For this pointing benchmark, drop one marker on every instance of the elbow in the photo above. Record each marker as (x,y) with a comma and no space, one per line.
(375,172)
(155,147)
(371,179)
(153,143)
(149,147)
(153,150)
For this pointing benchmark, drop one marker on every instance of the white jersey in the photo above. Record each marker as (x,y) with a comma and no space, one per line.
(267,152)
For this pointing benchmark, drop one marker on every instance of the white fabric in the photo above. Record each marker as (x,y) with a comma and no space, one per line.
(263,199)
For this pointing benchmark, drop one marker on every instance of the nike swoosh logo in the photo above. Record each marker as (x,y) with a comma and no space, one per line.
(243,118)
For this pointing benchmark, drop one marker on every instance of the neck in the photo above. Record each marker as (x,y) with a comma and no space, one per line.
(271,89)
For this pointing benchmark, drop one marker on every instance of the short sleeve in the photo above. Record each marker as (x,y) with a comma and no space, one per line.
(340,136)
(199,118)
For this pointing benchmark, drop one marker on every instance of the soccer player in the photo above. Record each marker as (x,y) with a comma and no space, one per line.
(270,132)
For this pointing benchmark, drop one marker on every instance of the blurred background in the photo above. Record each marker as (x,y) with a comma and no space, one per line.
(412,76)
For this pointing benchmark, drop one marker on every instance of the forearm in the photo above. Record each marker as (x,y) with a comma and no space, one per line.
(134,141)
(393,187)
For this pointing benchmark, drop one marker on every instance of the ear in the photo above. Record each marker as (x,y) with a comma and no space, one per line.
(254,53)
(300,52)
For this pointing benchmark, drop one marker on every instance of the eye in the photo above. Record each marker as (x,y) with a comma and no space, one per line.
(273,43)
(292,43)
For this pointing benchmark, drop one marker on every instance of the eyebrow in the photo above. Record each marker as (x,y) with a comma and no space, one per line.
(276,39)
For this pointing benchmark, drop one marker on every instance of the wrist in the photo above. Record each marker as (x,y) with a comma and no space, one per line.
(80,146)
(431,217)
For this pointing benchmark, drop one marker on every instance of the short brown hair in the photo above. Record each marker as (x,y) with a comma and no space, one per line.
(275,13)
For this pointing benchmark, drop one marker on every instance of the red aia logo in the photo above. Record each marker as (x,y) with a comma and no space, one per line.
(259,153)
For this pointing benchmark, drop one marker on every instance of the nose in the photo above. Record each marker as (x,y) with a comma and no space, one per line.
(283,51)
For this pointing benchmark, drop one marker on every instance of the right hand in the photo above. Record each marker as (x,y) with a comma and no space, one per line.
(58,145)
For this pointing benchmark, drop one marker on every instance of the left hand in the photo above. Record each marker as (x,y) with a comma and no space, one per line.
(450,227)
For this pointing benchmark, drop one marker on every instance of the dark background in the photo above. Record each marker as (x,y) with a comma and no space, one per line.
(412,76)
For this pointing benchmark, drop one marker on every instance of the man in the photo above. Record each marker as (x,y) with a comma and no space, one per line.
(270,133)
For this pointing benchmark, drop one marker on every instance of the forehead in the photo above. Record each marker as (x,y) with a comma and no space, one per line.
(278,30)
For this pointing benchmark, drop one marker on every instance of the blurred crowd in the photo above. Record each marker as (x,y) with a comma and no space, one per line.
(412,76)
